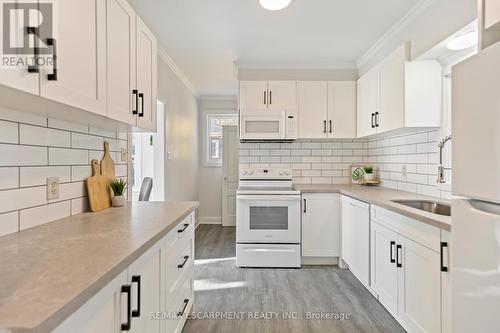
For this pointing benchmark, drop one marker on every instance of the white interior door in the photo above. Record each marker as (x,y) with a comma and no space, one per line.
(230,174)
(80,45)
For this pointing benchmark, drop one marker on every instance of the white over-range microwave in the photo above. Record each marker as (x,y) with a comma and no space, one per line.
(268,125)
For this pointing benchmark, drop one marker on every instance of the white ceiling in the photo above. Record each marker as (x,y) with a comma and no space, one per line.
(205,38)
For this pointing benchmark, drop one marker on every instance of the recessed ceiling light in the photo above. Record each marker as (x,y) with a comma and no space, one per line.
(463,41)
(274,4)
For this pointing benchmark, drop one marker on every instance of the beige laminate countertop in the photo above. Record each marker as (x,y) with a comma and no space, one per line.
(382,197)
(48,272)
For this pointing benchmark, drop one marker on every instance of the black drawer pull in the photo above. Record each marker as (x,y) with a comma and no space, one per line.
(305,206)
(183,229)
(186,258)
(52,42)
(392,251)
(135,94)
(443,245)
(137,279)
(181,313)
(377,124)
(33,31)
(126,326)
(141,97)
(373,120)
(398,263)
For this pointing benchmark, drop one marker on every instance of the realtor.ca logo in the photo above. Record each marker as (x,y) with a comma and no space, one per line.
(28,40)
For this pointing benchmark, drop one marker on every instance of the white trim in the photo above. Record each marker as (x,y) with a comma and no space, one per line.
(177,71)
(405,21)
(210,220)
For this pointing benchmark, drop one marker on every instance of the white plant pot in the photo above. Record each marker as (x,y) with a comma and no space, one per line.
(118,201)
(369,176)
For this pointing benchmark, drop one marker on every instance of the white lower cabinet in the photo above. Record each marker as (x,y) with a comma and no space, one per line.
(321,225)
(154,294)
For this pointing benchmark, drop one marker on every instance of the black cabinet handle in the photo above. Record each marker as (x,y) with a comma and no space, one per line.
(324,126)
(137,279)
(305,206)
(186,258)
(135,93)
(141,97)
(52,42)
(270,97)
(265,97)
(392,252)
(34,31)
(181,313)
(443,268)
(398,263)
(331,126)
(183,229)
(126,290)
(373,120)
(376,119)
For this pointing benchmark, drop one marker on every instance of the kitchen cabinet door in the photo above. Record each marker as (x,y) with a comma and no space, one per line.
(20,78)
(282,95)
(356,237)
(121,61)
(492,14)
(384,274)
(253,95)
(321,225)
(147,76)
(105,312)
(368,102)
(313,109)
(419,287)
(342,109)
(144,279)
(392,91)
(79,78)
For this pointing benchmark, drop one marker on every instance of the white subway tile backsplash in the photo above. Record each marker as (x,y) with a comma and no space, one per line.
(22,117)
(84,141)
(11,200)
(36,216)
(9,132)
(121,170)
(69,191)
(9,223)
(321,152)
(430,147)
(60,156)
(37,176)
(43,136)
(16,155)
(80,172)
(417,138)
(79,205)
(9,178)
(311,159)
(68,126)
(311,145)
(101,132)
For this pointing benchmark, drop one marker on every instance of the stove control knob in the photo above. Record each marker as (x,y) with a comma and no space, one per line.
(245,173)
(250,173)
(287,173)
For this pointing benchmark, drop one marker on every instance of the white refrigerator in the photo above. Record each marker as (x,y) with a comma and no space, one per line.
(475,245)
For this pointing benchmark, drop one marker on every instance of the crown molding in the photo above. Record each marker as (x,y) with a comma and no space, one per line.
(404,22)
(177,71)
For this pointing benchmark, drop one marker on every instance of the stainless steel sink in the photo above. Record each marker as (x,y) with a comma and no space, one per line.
(427,206)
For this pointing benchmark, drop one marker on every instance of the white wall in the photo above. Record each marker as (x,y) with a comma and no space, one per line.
(210,184)
(181,140)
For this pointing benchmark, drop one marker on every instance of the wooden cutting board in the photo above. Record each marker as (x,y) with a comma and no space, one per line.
(107,163)
(98,189)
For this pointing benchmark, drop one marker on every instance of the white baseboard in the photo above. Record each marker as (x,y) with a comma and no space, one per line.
(210,220)
(328,261)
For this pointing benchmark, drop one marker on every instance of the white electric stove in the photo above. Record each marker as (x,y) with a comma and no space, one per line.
(267,219)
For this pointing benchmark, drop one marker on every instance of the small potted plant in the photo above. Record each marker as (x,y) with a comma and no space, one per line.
(368,172)
(118,186)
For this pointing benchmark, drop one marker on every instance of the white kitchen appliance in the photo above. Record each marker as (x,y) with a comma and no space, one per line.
(268,125)
(267,219)
(475,245)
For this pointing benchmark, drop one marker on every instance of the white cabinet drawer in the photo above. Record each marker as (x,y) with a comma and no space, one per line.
(183,230)
(417,231)
(179,264)
(179,308)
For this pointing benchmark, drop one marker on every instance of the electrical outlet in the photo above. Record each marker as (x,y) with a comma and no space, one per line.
(123,155)
(52,188)
(404,171)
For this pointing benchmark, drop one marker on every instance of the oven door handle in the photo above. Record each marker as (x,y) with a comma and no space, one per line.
(278,197)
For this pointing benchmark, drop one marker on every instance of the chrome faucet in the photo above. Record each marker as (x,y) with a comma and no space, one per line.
(441,179)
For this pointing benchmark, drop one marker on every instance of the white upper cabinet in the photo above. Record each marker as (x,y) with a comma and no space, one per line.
(313,109)
(342,109)
(327,109)
(147,69)
(273,95)
(121,83)
(79,45)
(492,14)
(399,94)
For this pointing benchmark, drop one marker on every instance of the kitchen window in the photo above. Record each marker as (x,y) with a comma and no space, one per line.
(213,140)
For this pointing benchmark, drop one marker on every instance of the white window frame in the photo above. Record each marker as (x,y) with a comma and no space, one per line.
(206,139)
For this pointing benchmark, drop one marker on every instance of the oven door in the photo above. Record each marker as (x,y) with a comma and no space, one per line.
(268,219)
(258,125)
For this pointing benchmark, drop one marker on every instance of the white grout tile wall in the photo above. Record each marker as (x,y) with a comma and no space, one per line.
(312,162)
(33,148)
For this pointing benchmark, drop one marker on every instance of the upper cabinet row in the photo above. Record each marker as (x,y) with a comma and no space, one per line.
(399,94)
(273,95)
(106,63)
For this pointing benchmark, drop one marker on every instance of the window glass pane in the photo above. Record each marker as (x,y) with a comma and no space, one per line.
(215,148)
(213,139)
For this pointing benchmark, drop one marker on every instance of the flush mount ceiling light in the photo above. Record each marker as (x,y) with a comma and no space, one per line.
(274,4)
(463,41)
